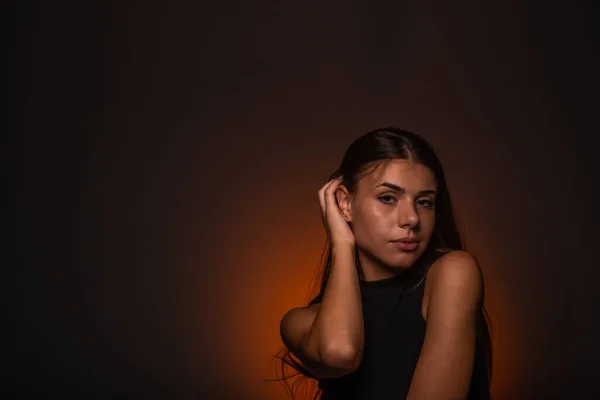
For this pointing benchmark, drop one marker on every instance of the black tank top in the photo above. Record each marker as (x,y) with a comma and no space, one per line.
(393,337)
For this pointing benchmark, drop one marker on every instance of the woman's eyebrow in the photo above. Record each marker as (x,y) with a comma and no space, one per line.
(400,189)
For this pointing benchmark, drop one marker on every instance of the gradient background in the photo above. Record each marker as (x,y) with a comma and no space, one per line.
(170,154)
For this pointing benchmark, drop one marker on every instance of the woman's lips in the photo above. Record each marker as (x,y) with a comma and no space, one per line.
(407,246)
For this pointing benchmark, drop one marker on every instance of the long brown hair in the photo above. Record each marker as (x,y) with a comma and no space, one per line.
(366,153)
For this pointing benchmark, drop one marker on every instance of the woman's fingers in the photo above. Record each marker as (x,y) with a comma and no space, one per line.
(330,200)
(324,192)
(339,231)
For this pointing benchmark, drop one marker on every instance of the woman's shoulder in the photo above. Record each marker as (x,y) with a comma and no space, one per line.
(452,263)
(461,259)
(452,276)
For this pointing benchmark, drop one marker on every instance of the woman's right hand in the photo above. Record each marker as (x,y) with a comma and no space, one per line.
(336,226)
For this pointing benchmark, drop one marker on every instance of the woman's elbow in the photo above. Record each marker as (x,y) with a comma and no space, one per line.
(344,358)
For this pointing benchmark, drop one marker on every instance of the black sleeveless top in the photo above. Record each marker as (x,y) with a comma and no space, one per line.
(393,336)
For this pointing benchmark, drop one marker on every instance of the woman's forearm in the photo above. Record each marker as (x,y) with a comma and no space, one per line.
(337,333)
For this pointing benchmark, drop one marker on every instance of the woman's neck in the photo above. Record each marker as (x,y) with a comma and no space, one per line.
(374,270)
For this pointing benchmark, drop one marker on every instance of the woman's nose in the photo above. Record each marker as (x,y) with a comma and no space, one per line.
(407,215)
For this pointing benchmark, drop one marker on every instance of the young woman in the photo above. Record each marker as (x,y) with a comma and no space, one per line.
(399,313)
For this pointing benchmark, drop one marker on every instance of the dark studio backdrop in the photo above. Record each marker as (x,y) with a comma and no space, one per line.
(170,153)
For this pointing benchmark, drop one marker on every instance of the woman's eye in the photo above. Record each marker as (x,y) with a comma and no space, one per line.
(387,199)
(427,203)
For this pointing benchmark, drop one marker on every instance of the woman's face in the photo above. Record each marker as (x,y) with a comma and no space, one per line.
(394,201)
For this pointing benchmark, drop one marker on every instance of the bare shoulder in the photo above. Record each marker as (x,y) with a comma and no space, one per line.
(456,264)
(297,320)
(303,310)
(294,328)
(454,276)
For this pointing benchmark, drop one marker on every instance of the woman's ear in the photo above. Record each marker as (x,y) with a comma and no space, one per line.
(344,202)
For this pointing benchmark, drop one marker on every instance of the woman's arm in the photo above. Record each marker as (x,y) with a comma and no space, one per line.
(446,361)
(328,339)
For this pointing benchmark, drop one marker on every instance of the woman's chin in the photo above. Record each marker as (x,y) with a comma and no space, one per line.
(403,260)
